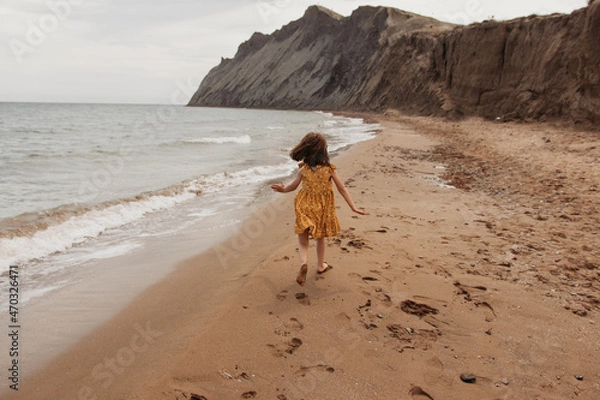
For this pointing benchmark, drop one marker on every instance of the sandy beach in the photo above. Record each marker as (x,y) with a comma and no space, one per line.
(480,257)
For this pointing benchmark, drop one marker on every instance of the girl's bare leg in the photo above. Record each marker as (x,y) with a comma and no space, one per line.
(303,253)
(321,254)
(303,247)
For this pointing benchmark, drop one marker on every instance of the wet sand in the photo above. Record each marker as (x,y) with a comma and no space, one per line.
(496,277)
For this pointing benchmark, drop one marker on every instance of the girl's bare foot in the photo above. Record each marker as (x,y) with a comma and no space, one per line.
(325,267)
(301,278)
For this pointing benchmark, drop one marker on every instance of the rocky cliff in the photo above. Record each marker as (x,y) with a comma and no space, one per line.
(380,57)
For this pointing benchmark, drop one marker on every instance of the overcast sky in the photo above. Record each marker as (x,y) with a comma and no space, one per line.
(152,51)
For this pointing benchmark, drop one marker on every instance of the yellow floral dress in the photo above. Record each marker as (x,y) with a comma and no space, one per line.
(315,203)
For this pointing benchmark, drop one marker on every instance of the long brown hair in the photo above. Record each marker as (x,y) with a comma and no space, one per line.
(312,149)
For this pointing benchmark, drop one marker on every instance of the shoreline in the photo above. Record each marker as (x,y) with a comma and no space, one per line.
(219,253)
(367,328)
(130,242)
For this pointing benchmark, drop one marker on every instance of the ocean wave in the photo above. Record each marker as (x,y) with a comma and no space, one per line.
(245,139)
(59,231)
(348,131)
(35,236)
(249,176)
(325,114)
(38,235)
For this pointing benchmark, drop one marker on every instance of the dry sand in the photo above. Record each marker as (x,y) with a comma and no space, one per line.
(498,278)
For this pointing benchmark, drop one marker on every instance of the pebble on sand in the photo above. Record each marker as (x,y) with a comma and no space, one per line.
(468,378)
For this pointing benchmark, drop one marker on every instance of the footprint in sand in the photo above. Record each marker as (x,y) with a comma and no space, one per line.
(354,275)
(490,313)
(305,370)
(286,348)
(342,317)
(440,302)
(475,294)
(365,282)
(293,345)
(418,309)
(434,371)
(281,295)
(369,278)
(419,394)
(383,297)
(374,285)
(359,244)
(466,290)
(303,299)
(429,317)
(293,325)
(409,338)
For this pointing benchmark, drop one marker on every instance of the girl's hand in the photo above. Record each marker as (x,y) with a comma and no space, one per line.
(361,212)
(281,188)
(278,187)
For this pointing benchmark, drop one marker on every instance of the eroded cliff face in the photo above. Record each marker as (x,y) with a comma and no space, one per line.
(380,57)
(534,67)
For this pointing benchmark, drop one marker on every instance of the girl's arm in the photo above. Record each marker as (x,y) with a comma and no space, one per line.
(344,192)
(281,188)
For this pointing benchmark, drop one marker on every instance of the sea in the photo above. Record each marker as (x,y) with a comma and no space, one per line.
(98,201)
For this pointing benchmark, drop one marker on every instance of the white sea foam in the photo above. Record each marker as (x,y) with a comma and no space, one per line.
(249,176)
(204,213)
(245,139)
(112,251)
(78,229)
(343,132)
(325,114)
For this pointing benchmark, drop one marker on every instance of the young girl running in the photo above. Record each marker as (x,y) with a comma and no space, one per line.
(315,204)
